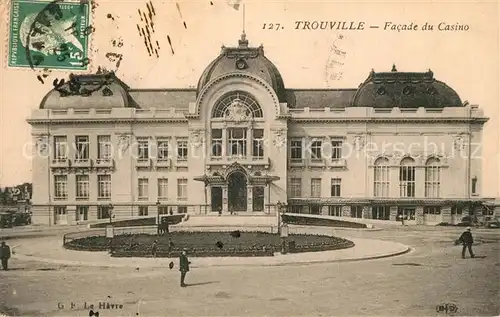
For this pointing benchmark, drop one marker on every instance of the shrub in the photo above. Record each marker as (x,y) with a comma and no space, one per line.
(308,221)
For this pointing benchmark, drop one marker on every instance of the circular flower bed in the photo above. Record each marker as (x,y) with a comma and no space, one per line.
(201,244)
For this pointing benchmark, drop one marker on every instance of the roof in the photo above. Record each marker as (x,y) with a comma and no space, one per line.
(247,60)
(101,91)
(405,90)
(319,98)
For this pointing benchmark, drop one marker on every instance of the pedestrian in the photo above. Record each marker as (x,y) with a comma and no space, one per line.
(154,248)
(5,255)
(466,240)
(183,266)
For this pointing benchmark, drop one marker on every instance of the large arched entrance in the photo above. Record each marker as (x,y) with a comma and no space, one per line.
(237,191)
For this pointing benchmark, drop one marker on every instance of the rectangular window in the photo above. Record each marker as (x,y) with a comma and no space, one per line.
(162,148)
(104,186)
(82,186)
(143,210)
(356,211)
(456,210)
(103,212)
(296,151)
(82,213)
(474,186)
(297,209)
(163,210)
(335,211)
(381,181)
(216,142)
(432,181)
(142,150)
(407,181)
(237,142)
(143,188)
(163,188)
(82,148)
(60,148)
(182,189)
(316,187)
(336,185)
(182,150)
(182,209)
(60,187)
(295,187)
(432,210)
(258,144)
(316,151)
(336,150)
(381,212)
(104,147)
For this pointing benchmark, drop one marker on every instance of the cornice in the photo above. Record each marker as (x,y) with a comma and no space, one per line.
(107,120)
(481,120)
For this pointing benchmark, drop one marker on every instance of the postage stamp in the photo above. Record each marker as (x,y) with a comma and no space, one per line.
(49,35)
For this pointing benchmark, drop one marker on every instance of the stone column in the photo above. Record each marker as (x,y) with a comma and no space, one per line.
(224,143)
(92,212)
(249,143)
(224,199)
(393,215)
(249,198)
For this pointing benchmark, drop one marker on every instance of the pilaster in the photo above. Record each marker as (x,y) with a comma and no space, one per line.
(346,211)
(224,199)
(419,215)
(446,214)
(324,210)
(393,215)
(249,198)
(367,212)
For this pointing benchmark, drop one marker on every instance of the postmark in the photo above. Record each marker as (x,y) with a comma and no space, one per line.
(49,35)
(335,63)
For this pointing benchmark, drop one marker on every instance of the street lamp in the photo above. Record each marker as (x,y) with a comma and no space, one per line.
(110,211)
(158,205)
(284,238)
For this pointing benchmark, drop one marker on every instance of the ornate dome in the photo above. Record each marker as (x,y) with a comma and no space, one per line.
(405,90)
(100,91)
(244,59)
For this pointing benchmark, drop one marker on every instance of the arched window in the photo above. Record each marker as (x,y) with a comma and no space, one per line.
(381,177)
(407,177)
(432,177)
(223,107)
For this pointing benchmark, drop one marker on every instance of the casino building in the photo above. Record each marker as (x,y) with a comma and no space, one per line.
(402,144)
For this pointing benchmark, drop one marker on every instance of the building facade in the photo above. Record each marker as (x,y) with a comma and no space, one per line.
(400,145)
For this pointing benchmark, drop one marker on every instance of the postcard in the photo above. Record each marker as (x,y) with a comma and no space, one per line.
(249,158)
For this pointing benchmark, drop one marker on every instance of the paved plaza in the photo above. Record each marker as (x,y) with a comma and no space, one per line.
(411,284)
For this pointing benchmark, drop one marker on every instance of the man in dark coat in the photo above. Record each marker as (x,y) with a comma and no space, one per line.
(467,241)
(183,266)
(5,255)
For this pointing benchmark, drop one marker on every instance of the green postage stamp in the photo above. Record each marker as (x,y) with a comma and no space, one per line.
(49,34)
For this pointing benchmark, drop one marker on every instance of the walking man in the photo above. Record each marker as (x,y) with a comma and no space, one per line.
(184,266)
(5,255)
(467,241)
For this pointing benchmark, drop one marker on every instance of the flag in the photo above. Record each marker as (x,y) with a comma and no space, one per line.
(234,3)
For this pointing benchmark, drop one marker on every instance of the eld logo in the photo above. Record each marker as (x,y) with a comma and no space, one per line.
(447,308)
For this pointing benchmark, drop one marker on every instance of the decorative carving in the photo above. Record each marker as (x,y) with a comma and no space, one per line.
(42,145)
(279,140)
(237,111)
(241,64)
(197,137)
(458,143)
(124,141)
(359,142)
(107,92)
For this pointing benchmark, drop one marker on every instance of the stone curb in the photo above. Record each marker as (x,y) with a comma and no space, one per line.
(401,249)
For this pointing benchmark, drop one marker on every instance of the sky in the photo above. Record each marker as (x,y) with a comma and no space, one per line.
(465,60)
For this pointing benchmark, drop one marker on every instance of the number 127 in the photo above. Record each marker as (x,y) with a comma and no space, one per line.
(272,26)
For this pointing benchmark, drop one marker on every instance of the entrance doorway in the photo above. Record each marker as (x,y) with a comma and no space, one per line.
(237,192)
(216,199)
(60,215)
(408,214)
